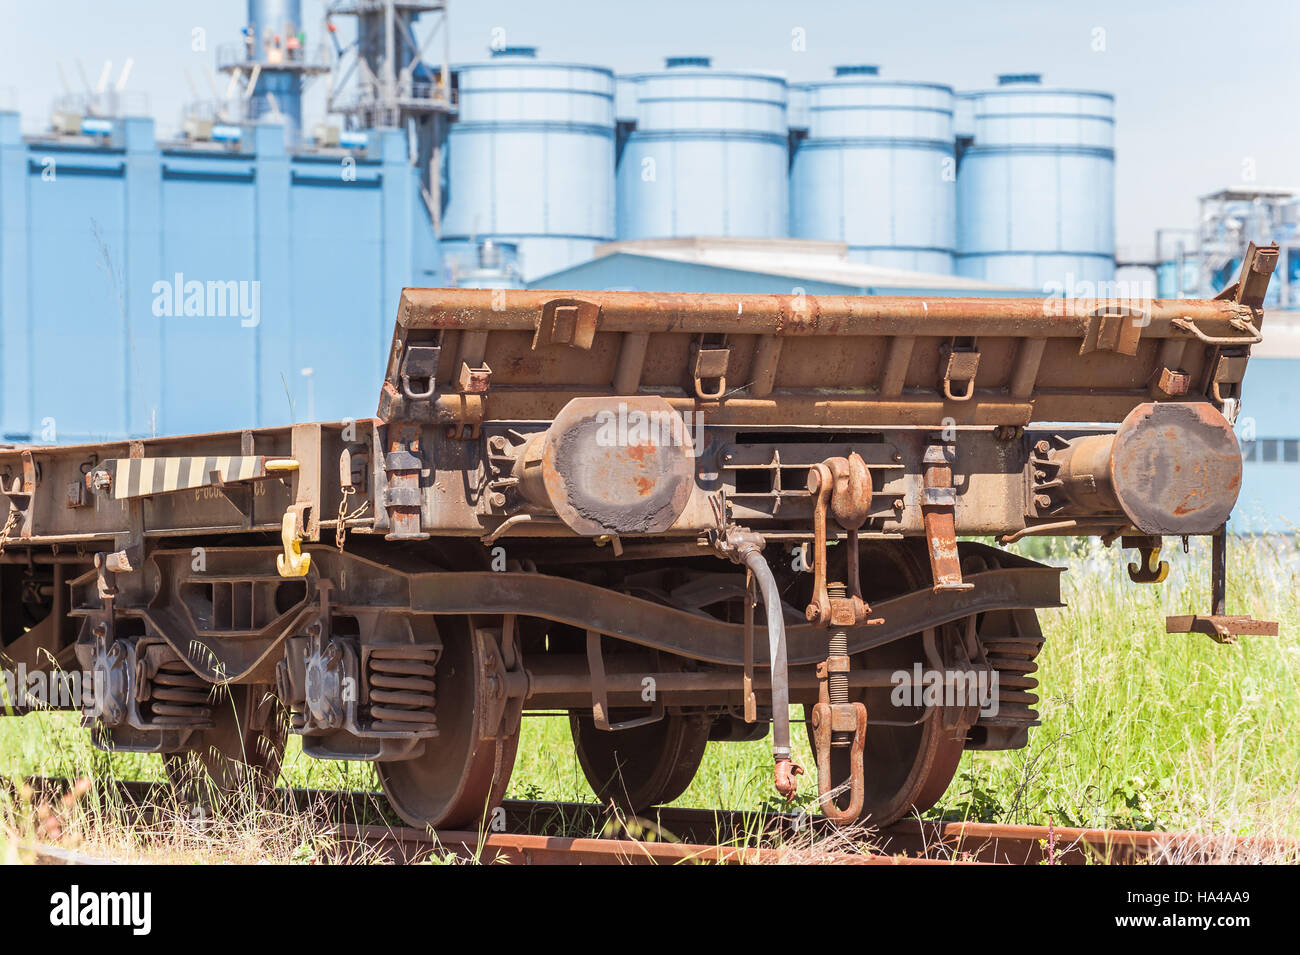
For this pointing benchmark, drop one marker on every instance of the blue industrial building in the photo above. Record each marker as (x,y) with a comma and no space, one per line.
(757,266)
(1269,431)
(162,288)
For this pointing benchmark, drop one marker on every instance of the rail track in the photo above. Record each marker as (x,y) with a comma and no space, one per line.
(570,833)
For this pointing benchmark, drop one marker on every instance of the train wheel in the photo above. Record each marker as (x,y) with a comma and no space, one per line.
(460,777)
(906,768)
(233,757)
(642,766)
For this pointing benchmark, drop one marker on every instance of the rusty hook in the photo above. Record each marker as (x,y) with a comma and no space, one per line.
(1151,569)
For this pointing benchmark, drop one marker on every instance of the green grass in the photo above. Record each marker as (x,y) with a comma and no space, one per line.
(1140,729)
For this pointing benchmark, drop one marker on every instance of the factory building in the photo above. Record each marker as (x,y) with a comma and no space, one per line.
(123,258)
(196,286)
(757,266)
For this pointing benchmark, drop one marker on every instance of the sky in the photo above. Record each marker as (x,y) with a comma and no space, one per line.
(1206,93)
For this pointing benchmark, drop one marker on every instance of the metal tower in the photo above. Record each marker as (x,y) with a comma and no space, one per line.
(1231,219)
(382,80)
(274,63)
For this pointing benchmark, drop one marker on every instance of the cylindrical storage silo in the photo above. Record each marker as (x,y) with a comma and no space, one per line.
(709,155)
(876,170)
(530,160)
(1178,278)
(1036,188)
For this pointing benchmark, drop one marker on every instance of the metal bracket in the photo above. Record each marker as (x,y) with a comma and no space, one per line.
(401,495)
(420,363)
(1114,328)
(599,697)
(709,374)
(1257,267)
(504,678)
(474,381)
(938,512)
(567,321)
(1230,370)
(959,363)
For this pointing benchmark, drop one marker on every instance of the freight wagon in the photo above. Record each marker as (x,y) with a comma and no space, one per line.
(669,516)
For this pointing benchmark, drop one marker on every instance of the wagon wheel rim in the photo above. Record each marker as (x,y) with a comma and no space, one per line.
(641,766)
(232,758)
(458,779)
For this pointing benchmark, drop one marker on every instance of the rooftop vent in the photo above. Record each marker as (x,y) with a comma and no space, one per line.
(673,62)
(857,70)
(1016,79)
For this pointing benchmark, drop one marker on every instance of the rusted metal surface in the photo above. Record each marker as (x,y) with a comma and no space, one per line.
(542,513)
(839,361)
(622,469)
(1175,468)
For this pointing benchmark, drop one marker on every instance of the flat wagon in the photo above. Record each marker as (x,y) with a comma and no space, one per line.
(669,516)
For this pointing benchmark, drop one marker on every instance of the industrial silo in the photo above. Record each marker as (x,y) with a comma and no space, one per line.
(876,170)
(708,155)
(1036,187)
(530,160)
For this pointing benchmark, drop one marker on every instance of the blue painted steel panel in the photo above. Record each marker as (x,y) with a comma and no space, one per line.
(1036,190)
(709,155)
(162,291)
(877,171)
(530,159)
(1270,439)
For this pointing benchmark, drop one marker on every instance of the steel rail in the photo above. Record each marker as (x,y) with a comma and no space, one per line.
(551,833)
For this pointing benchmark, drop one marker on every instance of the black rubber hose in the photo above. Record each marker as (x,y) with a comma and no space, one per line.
(753,559)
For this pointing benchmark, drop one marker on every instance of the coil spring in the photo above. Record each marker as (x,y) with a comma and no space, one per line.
(1012,655)
(402,688)
(179,696)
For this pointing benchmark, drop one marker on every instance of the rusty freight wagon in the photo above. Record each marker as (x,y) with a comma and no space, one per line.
(670,516)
